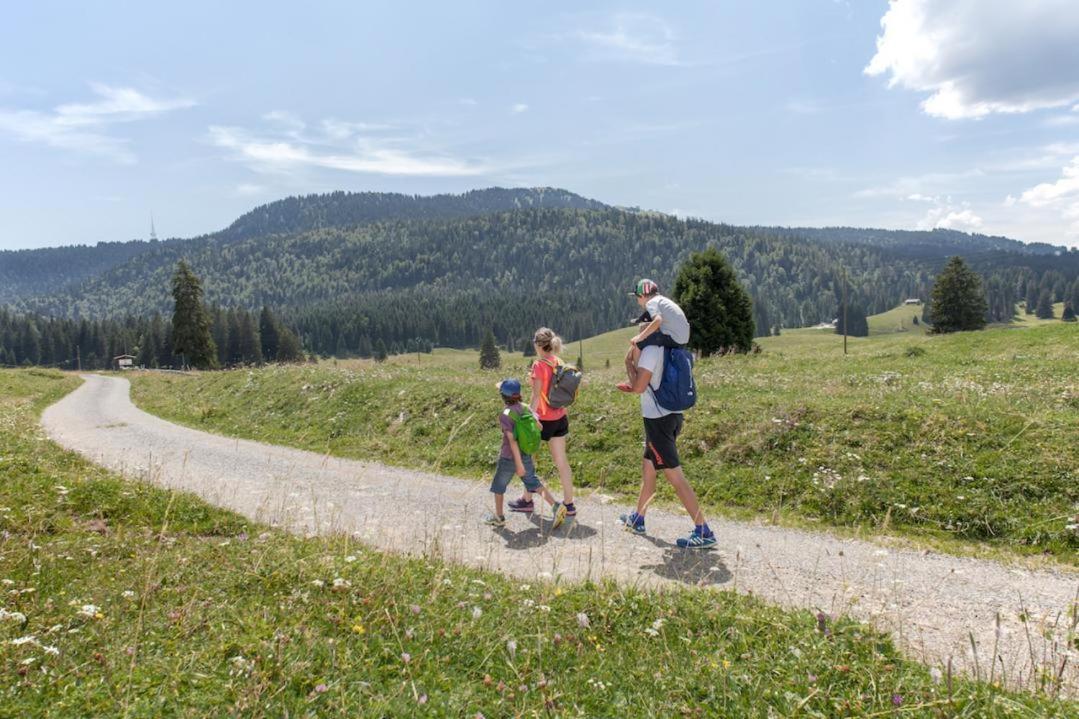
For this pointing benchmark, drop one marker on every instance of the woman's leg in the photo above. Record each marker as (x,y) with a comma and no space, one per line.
(557,445)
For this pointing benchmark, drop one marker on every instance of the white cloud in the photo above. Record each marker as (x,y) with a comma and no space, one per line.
(81,126)
(247,190)
(947,215)
(518,108)
(633,37)
(978,57)
(1060,197)
(349,147)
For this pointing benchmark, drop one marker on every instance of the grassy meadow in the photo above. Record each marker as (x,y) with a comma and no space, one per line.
(123,599)
(966,440)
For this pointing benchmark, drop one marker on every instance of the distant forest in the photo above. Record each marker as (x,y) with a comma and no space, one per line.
(348,271)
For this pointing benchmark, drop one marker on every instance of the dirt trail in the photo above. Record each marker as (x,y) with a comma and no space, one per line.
(933,604)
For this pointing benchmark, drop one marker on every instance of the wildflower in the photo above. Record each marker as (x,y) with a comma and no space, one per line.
(358,628)
(511,648)
(49,650)
(23,640)
(726,663)
(422,699)
(477,612)
(409,633)
(350,558)
(936,675)
(583,621)
(7,582)
(543,608)
(6,616)
(415,608)
(322,689)
(90,611)
(406,657)
(340,584)
(128,594)
(897,699)
(319,583)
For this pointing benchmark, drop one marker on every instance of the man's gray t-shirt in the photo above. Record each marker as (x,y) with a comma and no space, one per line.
(652,360)
(675,323)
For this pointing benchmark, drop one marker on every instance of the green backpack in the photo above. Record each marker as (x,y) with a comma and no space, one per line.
(526,430)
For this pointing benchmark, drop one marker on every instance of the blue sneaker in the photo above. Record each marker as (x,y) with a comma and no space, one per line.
(633,522)
(696,540)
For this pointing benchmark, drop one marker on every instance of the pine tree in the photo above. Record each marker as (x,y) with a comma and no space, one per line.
(381,353)
(268,334)
(857,322)
(190,323)
(958,299)
(1069,313)
(718,308)
(289,348)
(1044,309)
(489,355)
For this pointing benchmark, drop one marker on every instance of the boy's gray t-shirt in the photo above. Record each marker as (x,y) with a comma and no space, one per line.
(675,323)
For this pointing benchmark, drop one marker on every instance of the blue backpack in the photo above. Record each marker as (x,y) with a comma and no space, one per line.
(677,390)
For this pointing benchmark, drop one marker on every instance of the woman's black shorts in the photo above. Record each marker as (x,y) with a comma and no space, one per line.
(554,428)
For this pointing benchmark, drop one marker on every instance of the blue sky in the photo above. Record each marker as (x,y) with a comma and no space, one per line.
(953,113)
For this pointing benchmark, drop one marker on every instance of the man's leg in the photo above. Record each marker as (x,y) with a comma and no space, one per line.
(648,487)
(685,493)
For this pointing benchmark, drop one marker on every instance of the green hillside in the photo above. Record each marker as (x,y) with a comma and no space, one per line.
(963,438)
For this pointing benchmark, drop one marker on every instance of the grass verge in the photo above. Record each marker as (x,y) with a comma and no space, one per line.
(120,598)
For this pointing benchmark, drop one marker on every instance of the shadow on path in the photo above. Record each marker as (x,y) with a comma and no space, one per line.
(541,532)
(689,566)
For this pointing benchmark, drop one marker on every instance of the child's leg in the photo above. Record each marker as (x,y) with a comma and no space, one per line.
(503,473)
(532,482)
(498,505)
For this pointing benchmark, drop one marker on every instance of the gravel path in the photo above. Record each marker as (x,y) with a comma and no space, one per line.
(934,605)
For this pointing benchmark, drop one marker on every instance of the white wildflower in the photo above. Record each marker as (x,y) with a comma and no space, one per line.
(511,648)
(319,583)
(23,640)
(477,612)
(583,621)
(128,594)
(350,558)
(89,610)
(340,584)
(6,616)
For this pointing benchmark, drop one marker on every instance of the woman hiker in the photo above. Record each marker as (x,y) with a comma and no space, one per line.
(553,421)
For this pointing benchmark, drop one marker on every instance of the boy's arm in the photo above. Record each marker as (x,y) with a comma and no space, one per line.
(519,465)
(652,327)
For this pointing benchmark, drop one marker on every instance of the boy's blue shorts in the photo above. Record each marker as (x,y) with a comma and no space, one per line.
(506,471)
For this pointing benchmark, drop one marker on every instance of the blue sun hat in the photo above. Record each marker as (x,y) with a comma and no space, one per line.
(509,387)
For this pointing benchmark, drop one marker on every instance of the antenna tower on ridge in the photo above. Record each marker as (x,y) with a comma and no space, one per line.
(153,232)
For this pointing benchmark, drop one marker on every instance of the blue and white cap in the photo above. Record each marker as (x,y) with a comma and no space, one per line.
(509,387)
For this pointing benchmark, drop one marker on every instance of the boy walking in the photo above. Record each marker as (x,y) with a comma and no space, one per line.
(513,461)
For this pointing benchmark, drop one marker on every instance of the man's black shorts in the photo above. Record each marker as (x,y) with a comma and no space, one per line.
(659,440)
(554,428)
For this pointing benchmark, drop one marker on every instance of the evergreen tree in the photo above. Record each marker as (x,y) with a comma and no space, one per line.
(381,353)
(489,355)
(1031,297)
(958,299)
(289,348)
(1044,309)
(268,333)
(529,348)
(857,322)
(718,308)
(190,323)
(249,343)
(1069,313)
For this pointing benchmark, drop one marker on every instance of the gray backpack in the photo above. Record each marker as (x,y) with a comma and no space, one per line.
(565,382)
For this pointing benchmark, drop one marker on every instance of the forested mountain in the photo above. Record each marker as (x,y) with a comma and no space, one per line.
(28,273)
(349,270)
(917,243)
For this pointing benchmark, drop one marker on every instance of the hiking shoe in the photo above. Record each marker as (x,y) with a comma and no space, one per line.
(633,522)
(493,520)
(527,506)
(559,510)
(696,540)
(571,509)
